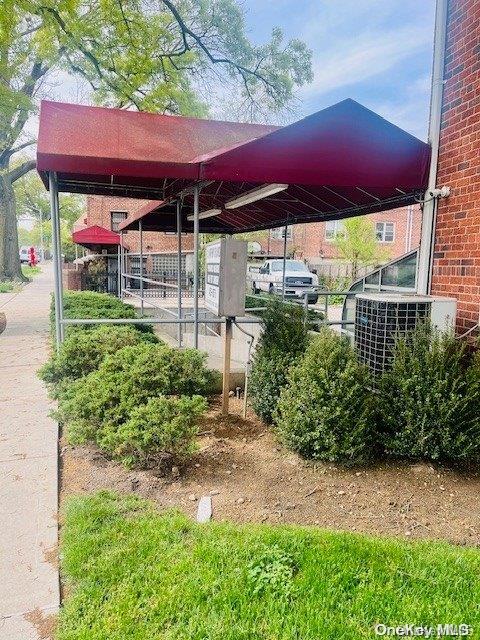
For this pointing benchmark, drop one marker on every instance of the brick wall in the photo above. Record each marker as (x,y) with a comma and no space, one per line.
(99,210)
(311,243)
(456,267)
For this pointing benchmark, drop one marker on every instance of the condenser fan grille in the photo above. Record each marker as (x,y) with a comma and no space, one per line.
(377,325)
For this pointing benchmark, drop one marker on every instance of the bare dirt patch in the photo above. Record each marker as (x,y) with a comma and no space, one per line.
(45,624)
(252,478)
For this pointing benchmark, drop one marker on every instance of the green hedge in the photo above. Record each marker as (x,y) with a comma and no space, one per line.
(429,401)
(284,338)
(96,407)
(425,407)
(262,300)
(92,305)
(326,409)
(163,428)
(83,351)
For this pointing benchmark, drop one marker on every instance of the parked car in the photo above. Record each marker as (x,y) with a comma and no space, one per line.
(299,280)
(24,255)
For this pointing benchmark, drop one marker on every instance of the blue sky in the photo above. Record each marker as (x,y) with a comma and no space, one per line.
(378,52)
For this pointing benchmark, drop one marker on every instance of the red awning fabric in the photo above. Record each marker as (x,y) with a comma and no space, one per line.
(342,161)
(95,236)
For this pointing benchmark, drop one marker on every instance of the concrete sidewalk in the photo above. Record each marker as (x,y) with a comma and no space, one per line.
(29,585)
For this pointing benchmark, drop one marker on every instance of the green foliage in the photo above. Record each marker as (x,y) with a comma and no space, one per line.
(165,427)
(283,328)
(159,52)
(358,244)
(326,410)
(92,305)
(170,56)
(6,287)
(30,272)
(284,337)
(104,400)
(261,300)
(330,283)
(134,573)
(272,572)
(83,351)
(430,399)
(33,201)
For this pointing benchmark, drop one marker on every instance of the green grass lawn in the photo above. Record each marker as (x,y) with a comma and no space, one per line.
(133,573)
(6,287)
(30,272)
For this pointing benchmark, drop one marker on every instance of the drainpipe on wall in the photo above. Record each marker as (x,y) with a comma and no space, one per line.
(427,241)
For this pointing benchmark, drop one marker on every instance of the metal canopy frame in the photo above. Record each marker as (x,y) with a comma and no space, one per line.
(340,162)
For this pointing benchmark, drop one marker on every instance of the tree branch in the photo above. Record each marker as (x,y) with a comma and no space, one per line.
(21,170)
(186,31)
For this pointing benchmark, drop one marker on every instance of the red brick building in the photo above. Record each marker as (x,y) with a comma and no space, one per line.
(160,249)
(397,230)
(456,262)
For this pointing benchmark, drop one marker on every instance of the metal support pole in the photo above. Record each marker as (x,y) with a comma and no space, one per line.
(140,227)
(284,260)
(122,266)
(119,270)
(227,348)
(179,268)
(56,259)
(196,206)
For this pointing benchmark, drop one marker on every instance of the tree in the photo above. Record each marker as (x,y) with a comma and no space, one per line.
(357,244)
(33,201)
(158,55)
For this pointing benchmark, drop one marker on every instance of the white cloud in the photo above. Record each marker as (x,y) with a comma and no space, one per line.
(352,61)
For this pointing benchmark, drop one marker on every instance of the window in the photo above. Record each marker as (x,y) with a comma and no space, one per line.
(333,228)
(291,265)
(116,217)
(385,231)
(279,233)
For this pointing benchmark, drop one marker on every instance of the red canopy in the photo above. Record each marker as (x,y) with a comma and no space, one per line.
(95,237)
(339,162)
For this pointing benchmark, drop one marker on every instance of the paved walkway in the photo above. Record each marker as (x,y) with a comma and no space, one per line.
(29,588)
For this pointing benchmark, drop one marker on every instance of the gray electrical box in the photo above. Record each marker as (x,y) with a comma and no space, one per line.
(225,273)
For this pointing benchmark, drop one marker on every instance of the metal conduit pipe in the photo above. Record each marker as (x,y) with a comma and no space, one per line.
(425,258)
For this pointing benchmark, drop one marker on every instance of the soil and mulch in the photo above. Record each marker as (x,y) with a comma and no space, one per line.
(252,478)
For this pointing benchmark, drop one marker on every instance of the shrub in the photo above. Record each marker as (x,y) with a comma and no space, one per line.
(92,305)
(284,338)
(83,351)
(261,300)
(326,410)
(430,399)
(163,428)
(126,380)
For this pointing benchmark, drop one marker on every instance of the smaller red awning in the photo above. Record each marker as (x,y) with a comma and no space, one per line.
(93,237)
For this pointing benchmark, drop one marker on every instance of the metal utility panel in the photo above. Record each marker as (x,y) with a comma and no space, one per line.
(381,318)
(225,273)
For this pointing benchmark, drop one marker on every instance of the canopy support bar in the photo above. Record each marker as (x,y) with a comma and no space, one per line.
(119,271)
(57,258)
(196,205)
(284,266)
(140,227)
(123,281)
(179,268)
